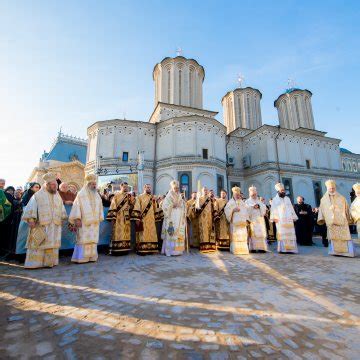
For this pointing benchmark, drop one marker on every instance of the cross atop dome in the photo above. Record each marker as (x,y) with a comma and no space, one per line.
(291,83)
(240,80)
(179,51)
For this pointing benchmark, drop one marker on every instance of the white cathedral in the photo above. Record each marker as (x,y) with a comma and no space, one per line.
(183,141)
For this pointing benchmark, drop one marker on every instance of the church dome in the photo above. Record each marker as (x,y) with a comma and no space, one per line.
(179,81)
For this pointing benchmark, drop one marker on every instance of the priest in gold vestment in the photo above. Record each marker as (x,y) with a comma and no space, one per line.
(86,215)
(119,214)
(222,225)
(283,215)
(355,208)
(334,212)
(257,212)
(44,214)
(205,210)
(237,214)
(193,221)
(145,214)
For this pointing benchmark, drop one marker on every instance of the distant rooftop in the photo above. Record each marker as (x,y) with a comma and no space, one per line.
(345,151)
(66,148)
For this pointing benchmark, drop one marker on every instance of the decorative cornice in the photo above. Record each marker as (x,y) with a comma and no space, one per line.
(191,110)
(118,122)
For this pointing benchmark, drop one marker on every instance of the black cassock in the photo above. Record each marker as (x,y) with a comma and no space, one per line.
(304,226)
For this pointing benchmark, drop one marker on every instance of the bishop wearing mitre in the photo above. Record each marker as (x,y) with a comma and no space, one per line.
(257,211)
(283,215)
(237,215)
(44,214)
(86,215)
(334,212)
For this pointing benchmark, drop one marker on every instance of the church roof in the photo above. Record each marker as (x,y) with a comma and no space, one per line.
(247,87)
(289,91)
(179,57)
(345,151)
(67,148)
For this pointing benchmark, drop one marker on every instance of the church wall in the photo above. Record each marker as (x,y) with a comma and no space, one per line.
(117,136)
(188,137)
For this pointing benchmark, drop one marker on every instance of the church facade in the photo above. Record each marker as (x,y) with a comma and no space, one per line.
(183,141)
(66,157)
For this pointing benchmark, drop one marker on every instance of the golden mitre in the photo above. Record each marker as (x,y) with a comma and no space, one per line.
(49,177)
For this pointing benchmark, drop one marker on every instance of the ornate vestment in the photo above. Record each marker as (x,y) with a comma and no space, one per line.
(258,234)
(355,213)
(238,226)
(145,210)
(119,212)
(174,225)
(194,223)
(283,211)
(88,208)
(206,211)
(334,211)
(222,226)
(44,240)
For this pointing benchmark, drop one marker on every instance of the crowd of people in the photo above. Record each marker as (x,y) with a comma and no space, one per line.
(170,224)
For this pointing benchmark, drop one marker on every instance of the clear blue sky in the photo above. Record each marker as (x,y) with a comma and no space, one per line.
(71,63)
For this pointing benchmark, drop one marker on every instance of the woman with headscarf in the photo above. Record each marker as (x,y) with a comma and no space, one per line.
(174,226)
(33,188)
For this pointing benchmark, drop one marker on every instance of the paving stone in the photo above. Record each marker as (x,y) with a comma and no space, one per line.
(179,346)
(154,344)
(63,329)
(43,348)
(15,318)
(223,355)
(67,340)
(70,354)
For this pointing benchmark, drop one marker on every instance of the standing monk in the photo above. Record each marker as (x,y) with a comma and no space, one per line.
(144,213)
(222,225)
(355,208)
(193,221)
(257,211)
(205,211)
(304,226)
(237,214)
(334,212)
(86,214)
(283,215)
(119,213)
(44,213)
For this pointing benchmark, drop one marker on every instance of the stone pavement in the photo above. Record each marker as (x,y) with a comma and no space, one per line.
(196,306)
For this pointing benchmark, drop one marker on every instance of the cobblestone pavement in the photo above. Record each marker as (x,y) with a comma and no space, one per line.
(196,306)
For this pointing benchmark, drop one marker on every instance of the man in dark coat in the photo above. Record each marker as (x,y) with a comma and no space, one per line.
(304,225)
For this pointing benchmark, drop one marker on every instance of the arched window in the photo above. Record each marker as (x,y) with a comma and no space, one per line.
(185,184)
(297,111)
(191,76)
(248,109)
(240,112)
(169,84)
(180,76)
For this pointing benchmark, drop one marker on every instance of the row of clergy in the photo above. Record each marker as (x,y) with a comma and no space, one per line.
(209,223)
